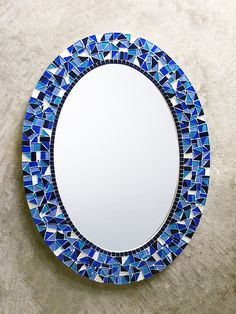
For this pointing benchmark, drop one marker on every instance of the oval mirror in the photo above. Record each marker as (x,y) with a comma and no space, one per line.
(115,158)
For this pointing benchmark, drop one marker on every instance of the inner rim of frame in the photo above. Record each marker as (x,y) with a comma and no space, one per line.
(168,218)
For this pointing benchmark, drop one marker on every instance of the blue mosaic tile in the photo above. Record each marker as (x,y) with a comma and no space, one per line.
(49,215)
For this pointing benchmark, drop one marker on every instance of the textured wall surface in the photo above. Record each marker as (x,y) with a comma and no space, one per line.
(200,36)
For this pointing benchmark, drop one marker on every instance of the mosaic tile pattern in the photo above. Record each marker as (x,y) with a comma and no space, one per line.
(42,195)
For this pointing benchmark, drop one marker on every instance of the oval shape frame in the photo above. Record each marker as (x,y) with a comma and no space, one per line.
(39,127)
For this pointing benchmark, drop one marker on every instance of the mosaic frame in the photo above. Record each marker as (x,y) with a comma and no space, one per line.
(42,195)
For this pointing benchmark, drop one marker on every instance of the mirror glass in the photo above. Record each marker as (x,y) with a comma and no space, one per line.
(116,157)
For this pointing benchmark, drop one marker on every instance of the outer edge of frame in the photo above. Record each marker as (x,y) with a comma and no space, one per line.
(38,168)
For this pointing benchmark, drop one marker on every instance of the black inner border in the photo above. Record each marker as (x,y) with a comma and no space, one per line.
(181,158)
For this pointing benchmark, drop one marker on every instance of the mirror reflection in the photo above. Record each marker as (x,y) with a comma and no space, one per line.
(116,157)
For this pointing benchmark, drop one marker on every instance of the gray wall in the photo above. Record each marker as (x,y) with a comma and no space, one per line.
(200,36)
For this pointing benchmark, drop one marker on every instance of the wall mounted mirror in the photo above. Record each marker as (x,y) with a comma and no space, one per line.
(115,158)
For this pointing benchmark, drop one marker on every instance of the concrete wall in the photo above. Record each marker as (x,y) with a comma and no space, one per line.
(200,36)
